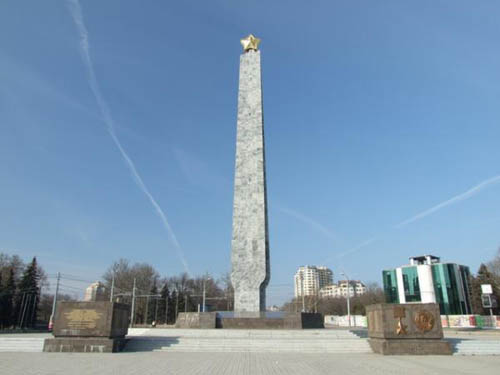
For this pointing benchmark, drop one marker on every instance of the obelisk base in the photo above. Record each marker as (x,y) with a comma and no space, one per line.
(267,321)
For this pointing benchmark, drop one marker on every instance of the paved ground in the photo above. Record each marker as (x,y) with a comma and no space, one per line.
(241,363)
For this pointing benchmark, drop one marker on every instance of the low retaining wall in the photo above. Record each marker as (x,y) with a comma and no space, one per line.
(471,321)
(447,321)
(343,321)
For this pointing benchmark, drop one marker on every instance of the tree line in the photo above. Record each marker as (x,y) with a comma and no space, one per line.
(488,273)
(19,291)
(337,305)
(161,298)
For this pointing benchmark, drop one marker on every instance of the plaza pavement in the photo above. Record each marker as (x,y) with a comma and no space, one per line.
(164,363)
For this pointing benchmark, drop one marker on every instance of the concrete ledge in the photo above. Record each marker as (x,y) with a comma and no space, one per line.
(410,346)
(84,345)
(288,321)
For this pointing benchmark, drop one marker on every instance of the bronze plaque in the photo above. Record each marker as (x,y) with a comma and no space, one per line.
(424,320)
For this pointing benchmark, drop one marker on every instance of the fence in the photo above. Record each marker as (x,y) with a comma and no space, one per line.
(448,321)
(471,321)
(343,321)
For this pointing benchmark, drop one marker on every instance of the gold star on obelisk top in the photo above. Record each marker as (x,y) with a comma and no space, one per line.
(250,43)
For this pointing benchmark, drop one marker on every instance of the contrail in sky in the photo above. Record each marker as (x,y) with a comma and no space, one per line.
(76,13)
(318,226)
(466,195)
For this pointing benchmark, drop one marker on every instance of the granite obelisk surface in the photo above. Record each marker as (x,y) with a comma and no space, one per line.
(250,243)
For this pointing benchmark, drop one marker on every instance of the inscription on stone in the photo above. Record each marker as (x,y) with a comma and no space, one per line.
(82,318)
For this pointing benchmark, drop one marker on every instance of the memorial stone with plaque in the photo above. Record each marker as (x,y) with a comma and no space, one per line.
(98,326)
(406,329)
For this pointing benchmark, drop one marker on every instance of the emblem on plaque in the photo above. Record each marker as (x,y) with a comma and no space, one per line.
(400,313)
(424,321)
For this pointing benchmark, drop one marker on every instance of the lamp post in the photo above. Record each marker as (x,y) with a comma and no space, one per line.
(348,298)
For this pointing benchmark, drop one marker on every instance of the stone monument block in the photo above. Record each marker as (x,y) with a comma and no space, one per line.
(196,320)
(406,329)
(99,326)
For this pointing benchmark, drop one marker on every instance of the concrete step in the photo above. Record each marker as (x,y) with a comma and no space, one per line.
(33,345)
(184,344)
(475,347)
(309,333)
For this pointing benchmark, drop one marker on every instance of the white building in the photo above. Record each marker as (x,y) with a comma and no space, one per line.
(95,292)
(356,288)
(310,279)
(427,280)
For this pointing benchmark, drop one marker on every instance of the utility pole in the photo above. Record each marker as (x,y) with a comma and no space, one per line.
(112,288)
(132,312)
(205,279)
(51,322)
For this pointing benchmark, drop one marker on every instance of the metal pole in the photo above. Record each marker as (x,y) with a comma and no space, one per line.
(33,313)
(26,305)
(156,310)
(55,300)
(20,311)
(176,304)
(166,309)
(185,303)
(348,301)
(112,288)
(204,282)
(133,306)
(147,310)
(348,297)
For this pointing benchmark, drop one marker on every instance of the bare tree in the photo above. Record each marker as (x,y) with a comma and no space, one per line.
(494,266)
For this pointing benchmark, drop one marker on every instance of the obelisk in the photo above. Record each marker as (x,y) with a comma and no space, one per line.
(250,243)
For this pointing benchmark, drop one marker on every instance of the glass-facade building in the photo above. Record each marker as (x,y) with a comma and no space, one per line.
(425,280)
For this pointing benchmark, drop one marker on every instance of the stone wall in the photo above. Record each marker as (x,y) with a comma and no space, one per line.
(196,320)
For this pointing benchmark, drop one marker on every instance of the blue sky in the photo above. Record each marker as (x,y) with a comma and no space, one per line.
(381,122)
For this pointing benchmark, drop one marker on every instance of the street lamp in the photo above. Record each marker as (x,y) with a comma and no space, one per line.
(348,297)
